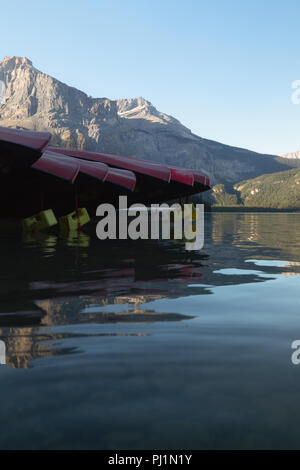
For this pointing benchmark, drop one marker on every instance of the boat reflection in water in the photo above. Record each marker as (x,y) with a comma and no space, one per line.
(65,286)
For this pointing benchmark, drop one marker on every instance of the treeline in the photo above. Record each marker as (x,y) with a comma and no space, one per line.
(275,191)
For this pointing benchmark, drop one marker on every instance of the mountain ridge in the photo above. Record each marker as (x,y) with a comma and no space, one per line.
(131,127)
(292,155)
(280,191)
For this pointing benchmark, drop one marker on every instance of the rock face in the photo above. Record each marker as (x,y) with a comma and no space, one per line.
(132,127)
(292,155)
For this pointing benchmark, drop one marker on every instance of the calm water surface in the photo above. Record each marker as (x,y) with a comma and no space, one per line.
(140,345)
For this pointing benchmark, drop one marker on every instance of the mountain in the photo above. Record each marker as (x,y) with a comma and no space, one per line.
(292,155)
(133,127)
(272,191)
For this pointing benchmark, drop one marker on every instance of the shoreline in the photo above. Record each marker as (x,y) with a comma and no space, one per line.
(251,209)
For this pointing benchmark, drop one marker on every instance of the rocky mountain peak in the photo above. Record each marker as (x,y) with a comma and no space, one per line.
(13,62)
(33,100)
(292,155)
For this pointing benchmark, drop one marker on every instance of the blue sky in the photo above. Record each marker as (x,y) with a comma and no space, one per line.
(224,68)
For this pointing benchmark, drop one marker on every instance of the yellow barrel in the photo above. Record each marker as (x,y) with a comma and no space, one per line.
(74,220)
(41,221)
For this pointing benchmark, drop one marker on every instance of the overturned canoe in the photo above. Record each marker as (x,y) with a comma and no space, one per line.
(33,174)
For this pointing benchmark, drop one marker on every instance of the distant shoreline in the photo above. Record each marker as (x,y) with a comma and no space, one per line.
(250,209)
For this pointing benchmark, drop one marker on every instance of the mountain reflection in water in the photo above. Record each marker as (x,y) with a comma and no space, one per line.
(60,280)
(68,297)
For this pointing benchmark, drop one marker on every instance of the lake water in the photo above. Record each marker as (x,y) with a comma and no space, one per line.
(142,345)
